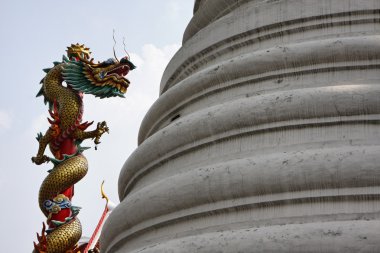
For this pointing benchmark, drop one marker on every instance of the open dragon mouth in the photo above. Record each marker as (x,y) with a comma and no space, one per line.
(119,72)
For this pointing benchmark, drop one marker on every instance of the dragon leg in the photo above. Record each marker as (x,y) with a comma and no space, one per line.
(43,141)
(95,134)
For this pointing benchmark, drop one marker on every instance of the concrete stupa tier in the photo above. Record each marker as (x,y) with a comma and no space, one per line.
(265,137)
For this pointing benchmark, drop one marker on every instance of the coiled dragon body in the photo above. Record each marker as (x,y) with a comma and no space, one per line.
(65,135)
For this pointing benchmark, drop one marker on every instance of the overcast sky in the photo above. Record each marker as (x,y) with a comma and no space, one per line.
(33,35)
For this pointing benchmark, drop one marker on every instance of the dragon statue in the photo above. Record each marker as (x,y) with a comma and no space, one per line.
(63,88)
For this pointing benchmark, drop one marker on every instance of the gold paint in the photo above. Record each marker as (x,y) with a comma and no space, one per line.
(104,196)
(69,105)
(80,51)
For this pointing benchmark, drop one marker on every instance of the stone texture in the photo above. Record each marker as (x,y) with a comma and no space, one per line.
(265,137)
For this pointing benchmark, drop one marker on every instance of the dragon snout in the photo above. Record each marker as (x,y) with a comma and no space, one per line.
(125,60)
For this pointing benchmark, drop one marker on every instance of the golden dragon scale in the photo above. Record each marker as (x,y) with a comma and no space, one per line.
(65,135)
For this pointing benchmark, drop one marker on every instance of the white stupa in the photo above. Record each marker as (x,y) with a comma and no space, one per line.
(265,137)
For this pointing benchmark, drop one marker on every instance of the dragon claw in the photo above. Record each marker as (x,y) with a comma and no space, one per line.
(40,159)
(101,128)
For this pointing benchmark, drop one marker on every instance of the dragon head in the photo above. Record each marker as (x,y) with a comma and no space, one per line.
(103,79)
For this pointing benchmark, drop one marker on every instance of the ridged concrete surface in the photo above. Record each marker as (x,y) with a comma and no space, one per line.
(266,135)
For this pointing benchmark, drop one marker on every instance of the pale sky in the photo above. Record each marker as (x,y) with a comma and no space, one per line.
(33,35)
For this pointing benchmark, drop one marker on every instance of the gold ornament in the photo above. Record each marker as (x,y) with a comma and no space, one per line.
(78,51)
